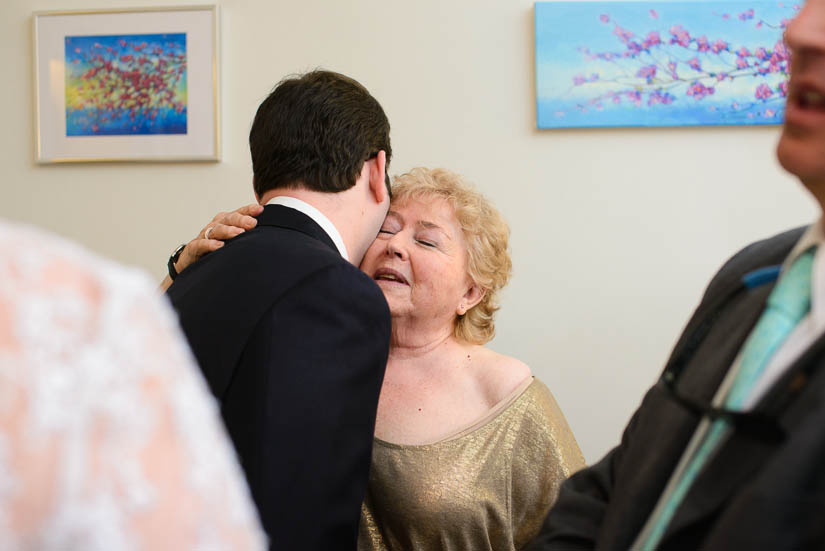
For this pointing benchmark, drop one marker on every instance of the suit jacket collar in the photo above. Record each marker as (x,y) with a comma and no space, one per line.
(279,216)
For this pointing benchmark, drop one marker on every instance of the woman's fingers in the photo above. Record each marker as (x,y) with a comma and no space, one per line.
(221,232)
(253,209)
(224,226)
(240,218)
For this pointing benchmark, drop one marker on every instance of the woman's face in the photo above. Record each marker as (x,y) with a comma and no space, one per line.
(419,260)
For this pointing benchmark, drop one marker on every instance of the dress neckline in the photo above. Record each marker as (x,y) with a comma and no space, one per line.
(483,421)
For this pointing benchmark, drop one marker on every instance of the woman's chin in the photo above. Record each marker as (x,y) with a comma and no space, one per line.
(398,306)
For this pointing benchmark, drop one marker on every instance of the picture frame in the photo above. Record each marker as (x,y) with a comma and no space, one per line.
(660,63)
(135,85)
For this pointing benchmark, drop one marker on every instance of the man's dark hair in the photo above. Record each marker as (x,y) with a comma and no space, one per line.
(314,132)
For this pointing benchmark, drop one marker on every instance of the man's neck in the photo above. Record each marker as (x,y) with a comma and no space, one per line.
(315,198)
(317,216)
(817,189)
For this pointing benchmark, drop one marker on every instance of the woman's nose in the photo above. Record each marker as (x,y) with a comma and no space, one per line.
(395,247)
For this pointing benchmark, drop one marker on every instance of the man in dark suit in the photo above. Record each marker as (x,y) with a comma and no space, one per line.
(291,336)
(727,451)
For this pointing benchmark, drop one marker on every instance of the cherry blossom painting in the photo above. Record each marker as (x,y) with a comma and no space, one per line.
(126,84)
(618,64)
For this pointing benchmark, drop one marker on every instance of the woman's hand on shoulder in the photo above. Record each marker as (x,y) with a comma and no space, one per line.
(224,226)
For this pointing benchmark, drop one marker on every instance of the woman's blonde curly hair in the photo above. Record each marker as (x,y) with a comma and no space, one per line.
(487,236)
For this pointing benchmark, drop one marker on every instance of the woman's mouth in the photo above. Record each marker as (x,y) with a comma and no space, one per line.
(388,274)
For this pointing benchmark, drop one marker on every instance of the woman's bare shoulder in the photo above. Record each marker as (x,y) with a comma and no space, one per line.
(498,375)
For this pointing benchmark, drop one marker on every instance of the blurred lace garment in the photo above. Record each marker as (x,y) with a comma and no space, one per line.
(109,439)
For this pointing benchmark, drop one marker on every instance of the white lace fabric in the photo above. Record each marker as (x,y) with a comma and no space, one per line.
(109,438)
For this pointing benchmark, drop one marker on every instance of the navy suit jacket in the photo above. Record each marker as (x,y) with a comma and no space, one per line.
(760,491)
(293,341)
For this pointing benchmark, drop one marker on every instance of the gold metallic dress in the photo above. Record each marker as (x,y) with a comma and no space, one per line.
(487,487)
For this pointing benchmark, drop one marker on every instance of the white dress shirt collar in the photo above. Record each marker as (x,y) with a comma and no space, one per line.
(317,216)
(813,236)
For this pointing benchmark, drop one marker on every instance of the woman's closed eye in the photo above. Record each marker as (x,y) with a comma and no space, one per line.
(389,227)
(427,242)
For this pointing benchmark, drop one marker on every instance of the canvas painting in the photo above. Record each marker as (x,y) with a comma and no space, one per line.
(126,84)
(618,64)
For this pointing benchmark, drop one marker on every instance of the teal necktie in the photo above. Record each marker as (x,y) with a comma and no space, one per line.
(789,302)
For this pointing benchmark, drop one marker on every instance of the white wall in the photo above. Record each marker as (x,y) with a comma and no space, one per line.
(615,232)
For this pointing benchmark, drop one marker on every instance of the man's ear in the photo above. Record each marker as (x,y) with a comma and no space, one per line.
(472,297)
(377,171)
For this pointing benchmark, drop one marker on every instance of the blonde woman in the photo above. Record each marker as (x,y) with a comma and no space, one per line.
(470,448)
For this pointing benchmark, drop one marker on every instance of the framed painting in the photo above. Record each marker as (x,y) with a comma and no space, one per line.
(127,85)
(665,63)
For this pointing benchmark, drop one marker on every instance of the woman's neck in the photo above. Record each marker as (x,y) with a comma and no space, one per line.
(411,344)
